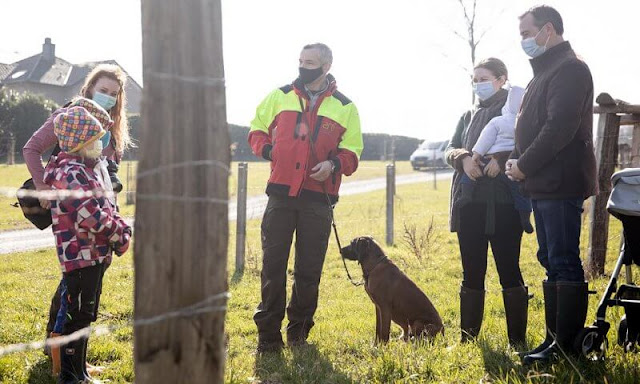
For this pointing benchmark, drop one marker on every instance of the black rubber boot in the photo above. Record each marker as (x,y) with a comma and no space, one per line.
(550,311)
(516,307)
(574,296)
(573,302)
(471,312)
(72,363)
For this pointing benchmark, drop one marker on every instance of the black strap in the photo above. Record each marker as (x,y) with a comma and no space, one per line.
(55,151)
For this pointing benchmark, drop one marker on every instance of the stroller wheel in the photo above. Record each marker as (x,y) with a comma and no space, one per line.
(591,343)
(622,331)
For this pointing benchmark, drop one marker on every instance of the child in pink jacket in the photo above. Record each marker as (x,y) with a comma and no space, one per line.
(86,224)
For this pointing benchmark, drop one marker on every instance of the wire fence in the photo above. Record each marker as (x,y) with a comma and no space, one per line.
(373,215)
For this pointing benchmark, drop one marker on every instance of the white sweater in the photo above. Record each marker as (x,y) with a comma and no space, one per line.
(498,134)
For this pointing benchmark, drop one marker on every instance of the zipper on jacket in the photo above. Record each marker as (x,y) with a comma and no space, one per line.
(304,107)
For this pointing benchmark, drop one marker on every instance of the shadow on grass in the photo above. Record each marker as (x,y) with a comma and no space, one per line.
(503,367)
(237,277)
(497,363)
(298,365)
(40,373)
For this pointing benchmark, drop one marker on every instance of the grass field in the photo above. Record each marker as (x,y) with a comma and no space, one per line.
(13,176)
(342,348)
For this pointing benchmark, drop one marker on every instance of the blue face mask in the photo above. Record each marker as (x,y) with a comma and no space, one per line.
(105,101)
(484,90)
(531,48)
(106,138)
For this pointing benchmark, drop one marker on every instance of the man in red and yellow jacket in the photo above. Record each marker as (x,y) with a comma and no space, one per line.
(311,134)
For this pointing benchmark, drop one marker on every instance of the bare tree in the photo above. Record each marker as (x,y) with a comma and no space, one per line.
(471,34)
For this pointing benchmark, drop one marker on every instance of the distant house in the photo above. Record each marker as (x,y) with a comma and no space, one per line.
(57,79)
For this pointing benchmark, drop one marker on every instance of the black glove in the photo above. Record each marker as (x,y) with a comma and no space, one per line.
(112,169)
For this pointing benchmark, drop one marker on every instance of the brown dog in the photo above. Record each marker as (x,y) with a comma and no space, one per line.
(395,296)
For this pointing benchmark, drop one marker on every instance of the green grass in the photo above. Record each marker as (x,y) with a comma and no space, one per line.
(12,176)
(343,349)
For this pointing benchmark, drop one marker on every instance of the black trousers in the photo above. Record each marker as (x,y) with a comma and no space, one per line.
(505,244)
(54,307)
(84,287)
(311,222)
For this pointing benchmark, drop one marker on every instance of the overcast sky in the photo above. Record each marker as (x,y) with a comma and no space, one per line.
(399,61)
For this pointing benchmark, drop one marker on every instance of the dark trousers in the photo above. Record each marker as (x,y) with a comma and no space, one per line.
(58,311)
(505,244)
(558,224)
(84,287)
(54,307)
(311,222)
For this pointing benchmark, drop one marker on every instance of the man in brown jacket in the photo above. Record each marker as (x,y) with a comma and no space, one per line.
(554,160)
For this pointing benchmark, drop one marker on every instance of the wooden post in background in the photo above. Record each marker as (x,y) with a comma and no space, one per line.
(11,152)
(390,199)
(241,218)
(181,222)
(635,147)
(435,172)
(129,193)
(606,158)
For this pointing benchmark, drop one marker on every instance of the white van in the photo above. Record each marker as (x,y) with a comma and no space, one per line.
(429,154)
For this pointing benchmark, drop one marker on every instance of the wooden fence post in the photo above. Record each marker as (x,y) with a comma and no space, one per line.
(435,172)
(635,147)
(129,194)
(182,197)
(391,176)
(11,153)
(606,158)
(241,218)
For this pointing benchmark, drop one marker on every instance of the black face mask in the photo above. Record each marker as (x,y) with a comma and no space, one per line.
(308,76)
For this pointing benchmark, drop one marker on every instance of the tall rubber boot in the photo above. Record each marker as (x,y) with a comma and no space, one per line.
(573,302)
(72,363)
(516,307)
(550,311)
(471,312)
(55,356)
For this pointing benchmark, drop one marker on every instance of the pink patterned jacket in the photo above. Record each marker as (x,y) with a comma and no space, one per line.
(86,226)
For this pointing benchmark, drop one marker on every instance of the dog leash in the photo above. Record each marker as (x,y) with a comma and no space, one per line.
(335,231)
(326,194)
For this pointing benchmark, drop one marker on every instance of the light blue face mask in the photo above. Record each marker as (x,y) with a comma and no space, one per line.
(106,138)
(484,90)
(531,48)
(105,101)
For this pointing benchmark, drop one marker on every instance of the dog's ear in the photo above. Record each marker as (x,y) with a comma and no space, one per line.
(363,245)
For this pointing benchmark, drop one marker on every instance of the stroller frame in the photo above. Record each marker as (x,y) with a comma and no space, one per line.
(592,341)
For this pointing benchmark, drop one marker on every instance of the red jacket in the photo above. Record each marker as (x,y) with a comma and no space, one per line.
(296,139)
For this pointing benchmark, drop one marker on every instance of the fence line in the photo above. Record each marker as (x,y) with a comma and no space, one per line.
(205,306)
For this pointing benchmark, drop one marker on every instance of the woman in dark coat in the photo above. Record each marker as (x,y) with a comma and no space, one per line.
(485,214)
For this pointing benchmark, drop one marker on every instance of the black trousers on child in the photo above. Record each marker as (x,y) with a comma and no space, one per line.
(84,287)
(54,307)
(505,244)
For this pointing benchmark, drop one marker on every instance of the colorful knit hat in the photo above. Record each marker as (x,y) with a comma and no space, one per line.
(95,110)
(76,128)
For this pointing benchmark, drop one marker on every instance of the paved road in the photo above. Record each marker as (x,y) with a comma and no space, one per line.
(32,239)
